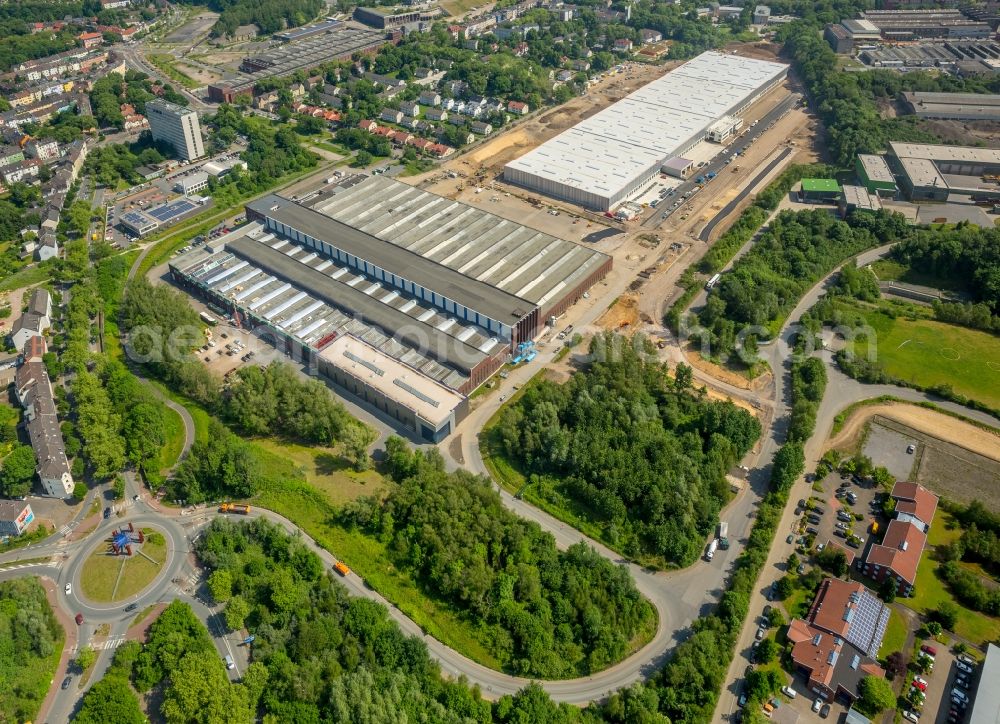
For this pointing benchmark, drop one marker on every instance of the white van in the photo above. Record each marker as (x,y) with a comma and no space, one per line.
(230,664)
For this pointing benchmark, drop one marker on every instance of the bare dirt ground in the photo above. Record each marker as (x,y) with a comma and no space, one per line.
(622,315)
(965,132)
(761,51)
(198,25)
(731,377)
(197,73)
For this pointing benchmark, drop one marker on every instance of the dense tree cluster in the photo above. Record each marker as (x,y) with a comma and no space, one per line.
(115,162)
(321,655)
(796,251)
(966,255)
(223,465)
(640,454)
(18,471)
(107,94)
(275,400)
(550,614)
(808,386)
(18,43)
(112,698)
(29,634)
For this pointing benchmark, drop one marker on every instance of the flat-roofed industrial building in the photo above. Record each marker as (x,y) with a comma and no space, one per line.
(614,154)
(436,293)
(953,106)
(875,174)
(933,172)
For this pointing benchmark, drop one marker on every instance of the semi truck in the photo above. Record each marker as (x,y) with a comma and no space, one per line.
(712,547)
(234,508)
(724,535)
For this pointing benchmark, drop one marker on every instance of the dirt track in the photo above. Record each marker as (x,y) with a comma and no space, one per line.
(937,424)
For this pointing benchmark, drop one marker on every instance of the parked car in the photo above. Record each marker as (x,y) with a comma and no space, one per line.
(962,682)
(920,683)
(965,659)
(959,696)
(910,716)
(962,666)
(107,513)
(789,692)
(131,607)
(817,705)
(929,650)
(66,682)
(824,712)
(790,538)
(761,633)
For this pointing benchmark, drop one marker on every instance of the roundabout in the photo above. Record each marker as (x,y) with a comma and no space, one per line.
(124,564)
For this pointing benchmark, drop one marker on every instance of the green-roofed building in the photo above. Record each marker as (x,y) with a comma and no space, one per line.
(875,175)
(820,190)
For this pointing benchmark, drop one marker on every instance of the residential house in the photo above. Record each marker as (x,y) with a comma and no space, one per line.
(836,644)
(369,126)
(650,36)
(36,319)
(429,98)
(455,87)
(47,246)
(133,121)
(521,49)
(623,45)
(418,143)
(90,40)
(34,392)
(493,105)
(42,149)
(455,31)
(474,111)
(475,100)
(456,120)
(25,170)
(450,104)
(517,108)
(565,76)
(391,115)
(400,138)
(410,109)
(899,553)
(436,114)
(439,149)
(10,155)
(480,128)
(422,73)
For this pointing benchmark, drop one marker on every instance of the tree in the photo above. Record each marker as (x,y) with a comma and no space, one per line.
(18,471)
(236,612)
(79,491)
(220,583)
(762,683)
(946,614)
(895,663)
(887,589)
(876,695)
(785,587)
(766,651)
(199,690)
(833,560)
(110,700)
(85,657)
(118,488)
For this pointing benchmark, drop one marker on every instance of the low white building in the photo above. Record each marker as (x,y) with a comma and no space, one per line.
(35,320)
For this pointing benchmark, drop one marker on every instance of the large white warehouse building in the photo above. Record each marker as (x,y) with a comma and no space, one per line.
(614,154)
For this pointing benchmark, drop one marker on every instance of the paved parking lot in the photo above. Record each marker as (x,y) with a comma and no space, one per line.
(826,523)
(888,448)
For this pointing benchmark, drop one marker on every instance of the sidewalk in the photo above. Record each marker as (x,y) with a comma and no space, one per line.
(69,647)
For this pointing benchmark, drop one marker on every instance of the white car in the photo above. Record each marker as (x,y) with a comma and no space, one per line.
(817,705)
(789,692)
(69,589)
(962,666)
(911,716)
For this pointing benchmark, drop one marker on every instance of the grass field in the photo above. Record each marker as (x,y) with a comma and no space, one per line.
(25,277)
(927,353)
(895,635)
(890,270)
(101,569)
(165,63)
(457,7)
(173,428)
(326,471)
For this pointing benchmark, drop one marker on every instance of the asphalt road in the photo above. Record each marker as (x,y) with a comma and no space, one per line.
(726,210)
(718,164)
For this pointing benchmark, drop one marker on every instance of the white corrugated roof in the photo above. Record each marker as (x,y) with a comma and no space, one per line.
(607,151)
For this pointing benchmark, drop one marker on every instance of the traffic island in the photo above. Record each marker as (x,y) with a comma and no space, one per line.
(124,564)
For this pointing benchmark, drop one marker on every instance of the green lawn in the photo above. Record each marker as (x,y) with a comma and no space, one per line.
(944,530)
(165,63)
(895,635)
(173,427)
(25,277)
(327,471)
(100,570)
(930,592)
(927,353)
(892,271)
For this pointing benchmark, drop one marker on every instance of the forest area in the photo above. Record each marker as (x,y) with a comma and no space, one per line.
(547,613)
(640,453)
(793,253)
(30,643)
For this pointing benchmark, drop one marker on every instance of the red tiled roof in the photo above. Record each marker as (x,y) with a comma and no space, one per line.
(832,600)
(916,500)
(900,550)
(814,653)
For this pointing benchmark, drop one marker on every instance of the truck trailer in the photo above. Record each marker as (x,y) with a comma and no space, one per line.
(234,508)
(723,535)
